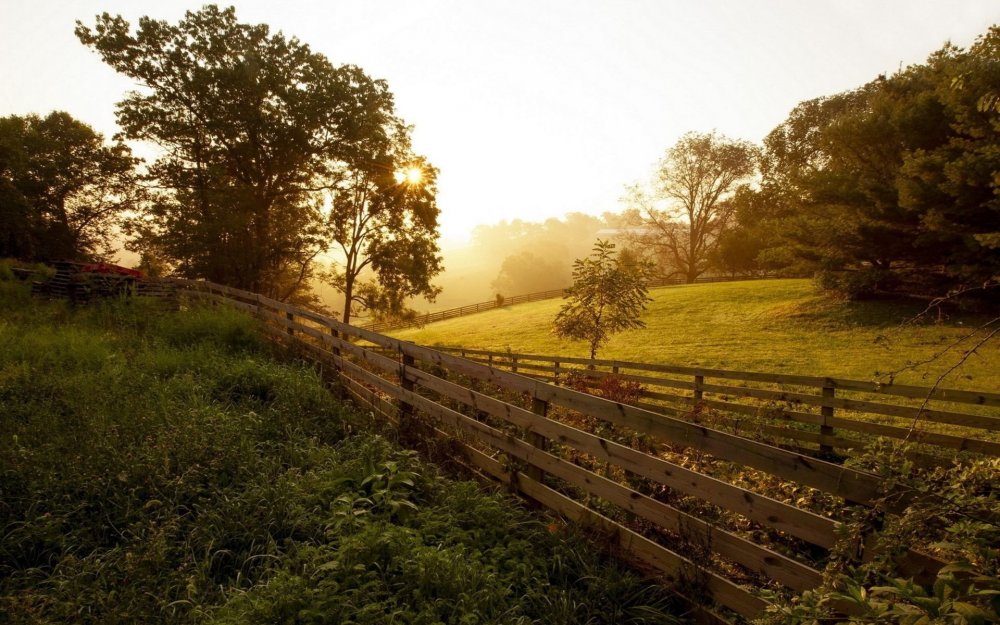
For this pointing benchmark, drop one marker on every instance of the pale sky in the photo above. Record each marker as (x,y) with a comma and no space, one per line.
(532,109)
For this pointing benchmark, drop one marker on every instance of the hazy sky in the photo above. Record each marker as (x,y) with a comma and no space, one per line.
(534,109)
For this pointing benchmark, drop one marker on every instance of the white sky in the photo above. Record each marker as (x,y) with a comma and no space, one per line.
(534,109)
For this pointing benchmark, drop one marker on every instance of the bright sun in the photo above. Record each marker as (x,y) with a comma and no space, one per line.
(411,175)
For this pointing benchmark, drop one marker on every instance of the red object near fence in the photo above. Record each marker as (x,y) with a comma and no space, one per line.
(111,269)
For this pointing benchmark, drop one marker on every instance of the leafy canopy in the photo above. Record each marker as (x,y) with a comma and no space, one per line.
(686,209)
(251,124)
(894,185)
(63,190)
(384,223)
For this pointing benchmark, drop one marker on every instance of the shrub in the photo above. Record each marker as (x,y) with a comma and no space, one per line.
(952,517)
(856,284)
(614,387)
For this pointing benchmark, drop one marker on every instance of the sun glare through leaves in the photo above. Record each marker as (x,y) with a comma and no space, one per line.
(410,175)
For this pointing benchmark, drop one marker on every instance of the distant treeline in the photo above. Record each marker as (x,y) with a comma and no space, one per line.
(893,187)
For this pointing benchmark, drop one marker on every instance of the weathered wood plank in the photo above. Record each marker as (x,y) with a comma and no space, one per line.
(943,440)
(490,468)
(674,567)
(784,517)
(900,390)
(848,483)
(908,412)
(780,568)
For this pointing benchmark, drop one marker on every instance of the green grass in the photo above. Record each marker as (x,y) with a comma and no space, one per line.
(164,468)
(777,325)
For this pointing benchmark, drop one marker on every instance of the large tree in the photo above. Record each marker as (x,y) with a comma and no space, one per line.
(894,185)
(607,297)
(63,189)
(250,123)
(383,221)
(684,212)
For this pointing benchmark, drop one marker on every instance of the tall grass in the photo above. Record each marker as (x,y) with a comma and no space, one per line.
(164,468)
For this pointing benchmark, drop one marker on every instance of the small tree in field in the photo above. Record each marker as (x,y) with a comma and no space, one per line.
(608,296)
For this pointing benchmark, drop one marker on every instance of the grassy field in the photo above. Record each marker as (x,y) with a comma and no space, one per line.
(164,468)
(776,325)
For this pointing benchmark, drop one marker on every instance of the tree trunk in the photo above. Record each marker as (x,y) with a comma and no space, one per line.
(348,295)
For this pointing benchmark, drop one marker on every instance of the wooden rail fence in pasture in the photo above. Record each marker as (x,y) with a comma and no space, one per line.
(829,415)
(513,300)
(696,516)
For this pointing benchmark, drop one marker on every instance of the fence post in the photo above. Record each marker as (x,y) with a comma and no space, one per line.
(513,364)
(335,348)
(338,370)
(614,369)
(555,374)
(290,317)
(699,380)
(827,412)
(490,359)
(539,407)
(405,408)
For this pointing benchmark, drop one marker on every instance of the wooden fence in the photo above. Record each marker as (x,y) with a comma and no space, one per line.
(471,309)
(819,413)
(578,455)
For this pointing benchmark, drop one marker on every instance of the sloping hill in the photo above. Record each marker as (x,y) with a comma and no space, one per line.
(775,325)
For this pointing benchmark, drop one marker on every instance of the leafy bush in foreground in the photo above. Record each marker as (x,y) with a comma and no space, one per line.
(162,468)
(954,516)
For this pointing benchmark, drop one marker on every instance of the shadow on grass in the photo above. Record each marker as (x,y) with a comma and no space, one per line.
(880,312)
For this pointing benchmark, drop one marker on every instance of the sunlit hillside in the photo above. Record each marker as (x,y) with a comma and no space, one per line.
(775,325)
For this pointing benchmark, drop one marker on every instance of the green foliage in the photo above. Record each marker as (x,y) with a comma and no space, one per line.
(951,599)
(607,297)
(953,517)
(434,567)
(162,468)
(893,186)
(223,328)
(251,123)
(121,468)
(15,294)
(63,190)
(857,284)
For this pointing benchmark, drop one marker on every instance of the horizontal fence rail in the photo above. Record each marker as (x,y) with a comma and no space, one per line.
(597,462)
(825,414)
(470,309)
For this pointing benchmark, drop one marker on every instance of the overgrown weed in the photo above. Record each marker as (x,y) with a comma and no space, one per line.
(163,468)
